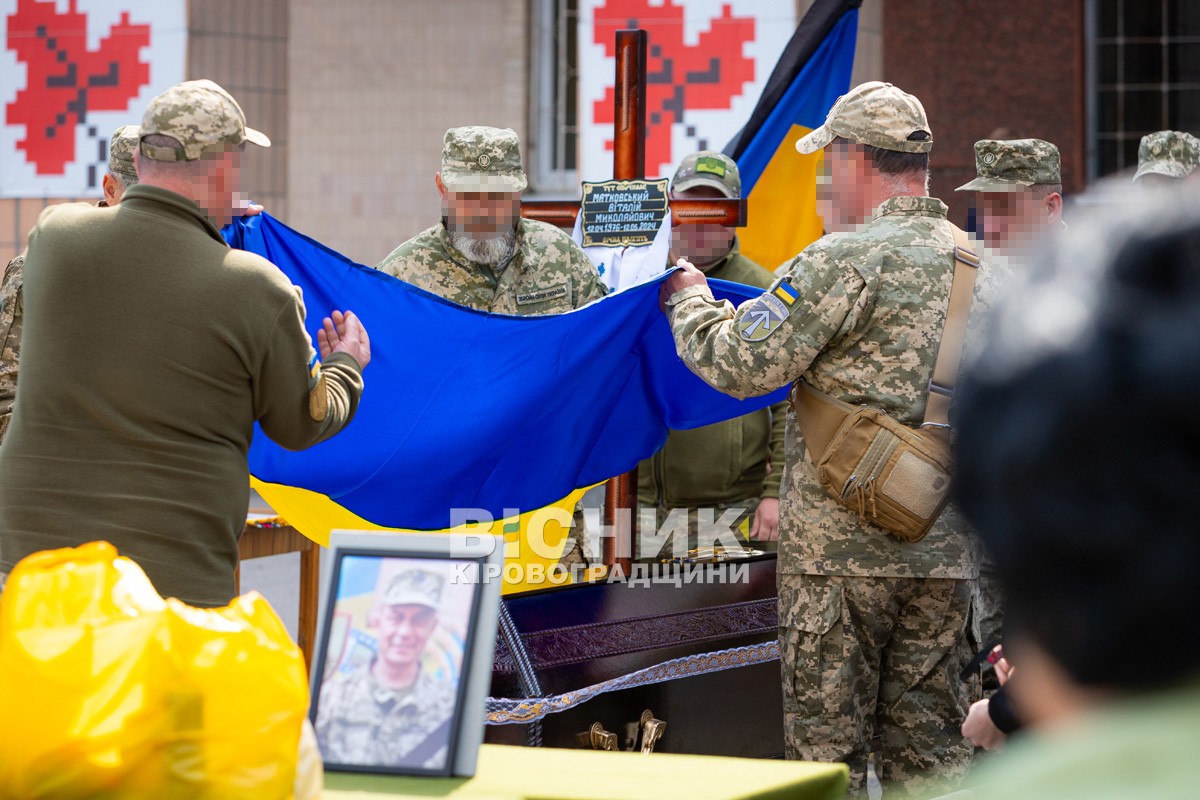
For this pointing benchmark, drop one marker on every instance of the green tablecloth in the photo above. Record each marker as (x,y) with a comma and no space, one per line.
(552,774)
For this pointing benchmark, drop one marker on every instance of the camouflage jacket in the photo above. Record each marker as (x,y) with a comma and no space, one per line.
(10,337)
(547,274)
(859,316)
(360,721)
(725,462)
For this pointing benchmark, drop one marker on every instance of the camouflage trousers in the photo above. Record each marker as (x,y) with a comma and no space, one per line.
(989,609)
(574,553)
(871,665)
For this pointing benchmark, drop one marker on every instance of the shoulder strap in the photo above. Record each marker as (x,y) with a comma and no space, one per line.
(954,332)
(819,415)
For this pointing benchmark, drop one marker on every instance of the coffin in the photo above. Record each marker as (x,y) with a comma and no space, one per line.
(581,635)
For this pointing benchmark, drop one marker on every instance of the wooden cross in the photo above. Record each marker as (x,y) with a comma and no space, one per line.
(629,163)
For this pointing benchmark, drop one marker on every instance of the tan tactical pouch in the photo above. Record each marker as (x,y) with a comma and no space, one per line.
(892,475)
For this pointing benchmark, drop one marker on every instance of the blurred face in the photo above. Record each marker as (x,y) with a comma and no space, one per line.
(844,188)
(705,244)
(479,215)
(217,186)
(403,631)
(1010,221)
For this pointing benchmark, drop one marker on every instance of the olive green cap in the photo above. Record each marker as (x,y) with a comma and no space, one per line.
(708,168)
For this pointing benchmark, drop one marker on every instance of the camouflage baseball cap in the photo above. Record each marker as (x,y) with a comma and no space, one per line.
(1171,153)
(481,159)
(1006,165)
(708,168)
(876,114)
(414,587)
(202,117)
(120,154)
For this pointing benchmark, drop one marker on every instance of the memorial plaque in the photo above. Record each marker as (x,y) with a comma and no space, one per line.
(623,213)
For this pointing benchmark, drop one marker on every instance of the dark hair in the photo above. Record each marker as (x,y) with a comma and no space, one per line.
(1078,452)
(894,162)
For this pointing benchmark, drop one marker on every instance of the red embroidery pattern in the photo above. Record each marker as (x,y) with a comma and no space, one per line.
(65,80)
(680,77)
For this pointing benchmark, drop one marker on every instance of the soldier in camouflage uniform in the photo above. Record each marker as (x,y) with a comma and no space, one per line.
(731,466)
(1018,186)
(391,712)
(120,176)
(1018,195)
(873,630)
(1167,156)
(483,254)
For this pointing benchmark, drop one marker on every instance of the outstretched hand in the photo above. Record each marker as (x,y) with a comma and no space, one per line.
(343,333)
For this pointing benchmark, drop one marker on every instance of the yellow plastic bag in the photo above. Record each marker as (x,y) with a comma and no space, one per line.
(107,690)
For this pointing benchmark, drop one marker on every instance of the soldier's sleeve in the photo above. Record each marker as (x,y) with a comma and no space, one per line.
(10,337)
(775,450)
(590,286)
(771,340)
(298,400)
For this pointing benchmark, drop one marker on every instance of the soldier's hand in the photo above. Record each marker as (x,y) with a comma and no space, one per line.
(245,208)
(685,276)
(1004,670)
(979,728)
(343,333)
(765,527)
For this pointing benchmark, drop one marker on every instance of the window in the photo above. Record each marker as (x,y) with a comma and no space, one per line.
(553,149)
(1145,70)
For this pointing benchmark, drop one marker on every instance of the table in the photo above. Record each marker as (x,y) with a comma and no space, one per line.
(553,774)
(278,538)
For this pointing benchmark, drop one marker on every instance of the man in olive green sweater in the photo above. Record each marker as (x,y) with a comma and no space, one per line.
(731,467)
(150,349)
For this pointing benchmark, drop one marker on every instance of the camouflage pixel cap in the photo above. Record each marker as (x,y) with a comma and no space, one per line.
(1171,153)
(414,587)
(120,154)
(876,114)
(1006,165)
(708,168)
(202,117)
(481,159)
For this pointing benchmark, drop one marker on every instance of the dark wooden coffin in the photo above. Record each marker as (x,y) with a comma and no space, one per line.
(577,636)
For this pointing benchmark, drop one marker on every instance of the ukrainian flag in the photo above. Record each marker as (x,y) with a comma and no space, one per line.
(780,183)
(498,417)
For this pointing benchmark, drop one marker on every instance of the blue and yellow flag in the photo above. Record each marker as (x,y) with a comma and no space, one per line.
(494,415)
(780,183)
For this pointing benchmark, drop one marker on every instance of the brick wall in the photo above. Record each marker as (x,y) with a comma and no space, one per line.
(977,67)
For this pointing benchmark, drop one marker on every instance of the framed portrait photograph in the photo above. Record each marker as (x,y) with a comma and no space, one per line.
(404,651)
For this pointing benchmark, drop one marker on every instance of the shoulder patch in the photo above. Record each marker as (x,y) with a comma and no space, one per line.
(314,369)
(761,317)
(318,399)
(786,292)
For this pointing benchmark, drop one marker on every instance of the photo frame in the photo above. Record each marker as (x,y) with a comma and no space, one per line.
(403,657)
